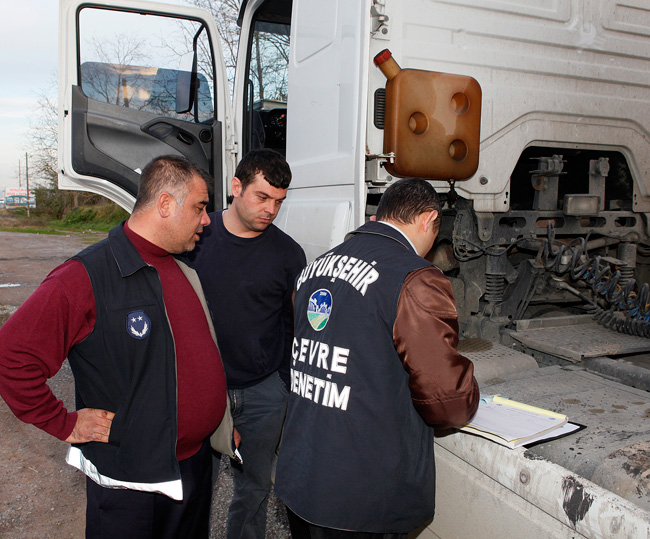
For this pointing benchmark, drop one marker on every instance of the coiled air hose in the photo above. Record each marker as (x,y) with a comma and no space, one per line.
(629,309)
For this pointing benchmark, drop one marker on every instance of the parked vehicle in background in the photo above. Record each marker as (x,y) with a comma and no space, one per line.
(546,244)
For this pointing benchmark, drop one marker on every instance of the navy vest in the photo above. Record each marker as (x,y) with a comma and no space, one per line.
(355,455)
(127,365)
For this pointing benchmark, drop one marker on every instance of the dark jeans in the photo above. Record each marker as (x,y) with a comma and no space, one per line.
(301,529)
(258,412)
(132,514)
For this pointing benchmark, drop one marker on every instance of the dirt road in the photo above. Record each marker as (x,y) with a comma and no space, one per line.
(40,495)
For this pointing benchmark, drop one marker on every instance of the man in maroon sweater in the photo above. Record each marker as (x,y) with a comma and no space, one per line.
(132,319)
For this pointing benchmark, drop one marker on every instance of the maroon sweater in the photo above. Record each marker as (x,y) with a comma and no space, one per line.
(61,313)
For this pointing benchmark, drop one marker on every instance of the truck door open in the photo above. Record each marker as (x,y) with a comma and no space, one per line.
(139,80)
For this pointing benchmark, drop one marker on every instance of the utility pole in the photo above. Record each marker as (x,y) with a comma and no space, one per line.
(27,180)
(19,176)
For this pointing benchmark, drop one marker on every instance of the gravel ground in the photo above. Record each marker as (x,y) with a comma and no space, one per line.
(277,526)
(40,495)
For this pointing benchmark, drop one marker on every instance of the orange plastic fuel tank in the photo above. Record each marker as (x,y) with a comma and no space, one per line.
(431,122)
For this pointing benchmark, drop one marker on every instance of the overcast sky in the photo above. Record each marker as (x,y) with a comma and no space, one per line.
(28,64)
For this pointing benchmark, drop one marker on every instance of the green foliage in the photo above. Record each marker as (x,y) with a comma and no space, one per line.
(53,202)
(95,217)
(90,217)
(18,212)
(84,214)
(111,214)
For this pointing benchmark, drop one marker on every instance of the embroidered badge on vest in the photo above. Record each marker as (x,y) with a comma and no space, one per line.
(138,324)
(319,309)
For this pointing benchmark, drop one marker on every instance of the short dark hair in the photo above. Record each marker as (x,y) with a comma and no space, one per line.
(167,173)
(407,198)
(271,164)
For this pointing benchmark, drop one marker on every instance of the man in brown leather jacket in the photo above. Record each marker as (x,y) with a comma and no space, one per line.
(374,367)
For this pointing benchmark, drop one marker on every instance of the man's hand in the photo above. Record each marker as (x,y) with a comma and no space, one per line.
(236,437)
(92,426)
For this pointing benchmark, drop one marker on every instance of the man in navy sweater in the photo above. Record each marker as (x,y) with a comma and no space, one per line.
(247,267)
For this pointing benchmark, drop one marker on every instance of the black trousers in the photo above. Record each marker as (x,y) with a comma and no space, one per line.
(131,514)
(301,529)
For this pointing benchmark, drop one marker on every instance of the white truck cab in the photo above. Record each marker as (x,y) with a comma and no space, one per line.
(545,237)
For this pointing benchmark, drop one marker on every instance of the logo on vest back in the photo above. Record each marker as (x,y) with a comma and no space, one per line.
(138,324)
(319,309)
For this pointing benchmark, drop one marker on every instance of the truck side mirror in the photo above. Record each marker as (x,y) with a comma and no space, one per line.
(185,83)
(432,122)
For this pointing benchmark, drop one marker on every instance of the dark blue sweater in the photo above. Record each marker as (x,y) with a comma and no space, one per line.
(248,283)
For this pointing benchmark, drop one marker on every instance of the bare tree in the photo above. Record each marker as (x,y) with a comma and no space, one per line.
(42,146)
(270,52)
(224,13)
(268,69)
(42,138)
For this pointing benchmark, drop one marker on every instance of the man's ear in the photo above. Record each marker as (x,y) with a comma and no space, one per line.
(236,187)
(165,204)
(428,218)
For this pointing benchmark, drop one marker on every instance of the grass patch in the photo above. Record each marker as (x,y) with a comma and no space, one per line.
(34,230)
(100,218)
